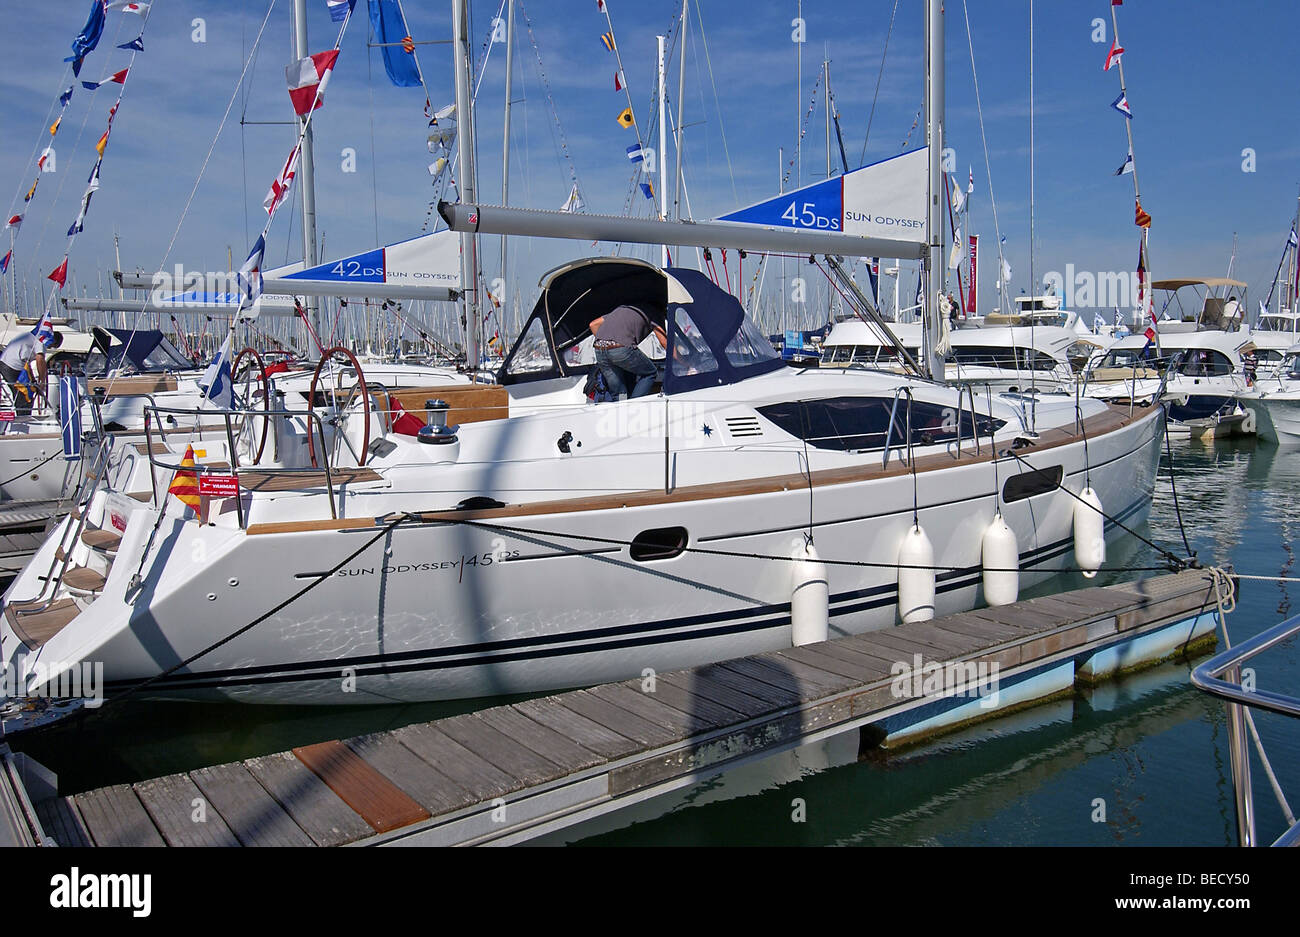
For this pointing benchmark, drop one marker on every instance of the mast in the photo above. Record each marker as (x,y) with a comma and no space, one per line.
(663,144)
(306,166)
(505,138)
(465,182)
(681,96)
(934,260)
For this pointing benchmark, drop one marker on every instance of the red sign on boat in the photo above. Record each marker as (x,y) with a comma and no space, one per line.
(219,486)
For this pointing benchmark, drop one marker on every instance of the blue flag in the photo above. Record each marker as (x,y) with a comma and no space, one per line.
(215,382)
(390,29)
(136,44)
(339,9)
(250,275)
(44,330)
(85,41)
(65,97)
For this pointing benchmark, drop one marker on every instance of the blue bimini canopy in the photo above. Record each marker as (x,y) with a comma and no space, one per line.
(711,342)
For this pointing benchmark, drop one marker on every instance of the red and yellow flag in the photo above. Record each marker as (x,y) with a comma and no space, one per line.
(185,483)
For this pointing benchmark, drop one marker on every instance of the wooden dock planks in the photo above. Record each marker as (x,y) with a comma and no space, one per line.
(605,745)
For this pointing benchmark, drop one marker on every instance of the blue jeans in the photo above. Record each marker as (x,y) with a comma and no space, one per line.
(620,364)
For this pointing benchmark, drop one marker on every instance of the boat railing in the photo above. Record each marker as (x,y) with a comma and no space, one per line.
(157,460)
(893,413)
(1221,676)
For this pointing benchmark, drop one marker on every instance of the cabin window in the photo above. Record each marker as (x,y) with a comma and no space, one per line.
(533,353)
(1206,362)
(1035,482)
(661,543)
(856,424)
(690,353)
(748,346)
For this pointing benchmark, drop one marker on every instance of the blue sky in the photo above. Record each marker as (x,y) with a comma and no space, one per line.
(1205,81)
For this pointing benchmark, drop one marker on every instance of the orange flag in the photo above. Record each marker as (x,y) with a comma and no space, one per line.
(1142,219)
(185,484)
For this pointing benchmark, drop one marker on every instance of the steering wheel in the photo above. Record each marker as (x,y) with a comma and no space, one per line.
(249,379)
(327,355)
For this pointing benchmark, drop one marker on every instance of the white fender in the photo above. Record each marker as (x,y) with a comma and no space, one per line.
(915,576)
(810,599)
(1089,533)
(1001,558)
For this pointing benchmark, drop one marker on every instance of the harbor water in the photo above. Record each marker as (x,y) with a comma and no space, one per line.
(1141,760)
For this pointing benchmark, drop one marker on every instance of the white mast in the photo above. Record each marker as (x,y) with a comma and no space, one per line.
(465,182)
(663,145)
(505,143)
(681,95)
(306,168)
(934,261)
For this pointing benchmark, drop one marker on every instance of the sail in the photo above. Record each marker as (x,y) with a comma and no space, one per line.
(884,199)
(427,260)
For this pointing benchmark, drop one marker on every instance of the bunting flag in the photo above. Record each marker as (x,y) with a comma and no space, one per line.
(970,184)
(625,118)
(40,160)
(307,79)
(32,190)
(102,144)
(339,9)
(1127,167)
(140,9)
(4,264)
(115,78)
(958,196)
(249,279)
(1121,104)
(608,40)
(185,483)
(66,96)
(54,127)
(92,186)
(648,189)
(280,187)
(1291,238)
(618,81)
(15,222)
(1141,218)
(85,41)
(958,252)
(1116,50)
(1142,276)
(390,31)
(215,383)
(60,273)
(44,330)
(135,45)
(600,5)
(635,153)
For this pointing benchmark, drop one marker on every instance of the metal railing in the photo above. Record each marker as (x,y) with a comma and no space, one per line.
(1221,676)
(314,421)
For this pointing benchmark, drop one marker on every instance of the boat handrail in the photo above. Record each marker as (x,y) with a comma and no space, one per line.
(1221,676)
(893,412)
(310,414)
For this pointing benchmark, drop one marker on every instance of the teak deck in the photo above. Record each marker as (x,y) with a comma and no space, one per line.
(511,773)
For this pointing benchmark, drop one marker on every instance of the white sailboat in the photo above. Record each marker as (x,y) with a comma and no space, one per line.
(547,542)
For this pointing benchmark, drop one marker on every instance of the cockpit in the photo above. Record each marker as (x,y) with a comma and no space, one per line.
(711,342)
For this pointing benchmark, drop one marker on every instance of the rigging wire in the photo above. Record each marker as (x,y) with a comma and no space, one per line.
(871,115)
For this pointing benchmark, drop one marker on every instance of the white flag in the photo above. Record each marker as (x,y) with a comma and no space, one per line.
(574,202)
(958,252)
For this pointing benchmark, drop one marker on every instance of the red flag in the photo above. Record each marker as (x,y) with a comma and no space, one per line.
(1116,50)
(280,187)
(120,77)
(15,221)
(185,483)
(618,83)
(307,79)
(60,274)
(1141,218)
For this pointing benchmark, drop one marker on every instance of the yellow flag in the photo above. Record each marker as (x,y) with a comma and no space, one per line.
(103,142)
(185,483)
(625,119)
(54,127)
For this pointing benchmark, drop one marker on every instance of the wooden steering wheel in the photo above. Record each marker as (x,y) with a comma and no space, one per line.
(254,359)
(327,355)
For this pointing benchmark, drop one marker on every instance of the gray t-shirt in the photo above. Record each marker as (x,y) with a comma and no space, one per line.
(21,350)
(626,325)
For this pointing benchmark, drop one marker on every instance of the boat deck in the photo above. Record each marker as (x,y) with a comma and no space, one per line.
(512,773)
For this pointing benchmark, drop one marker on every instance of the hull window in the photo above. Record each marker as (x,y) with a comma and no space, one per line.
(1028,484)
(661,543)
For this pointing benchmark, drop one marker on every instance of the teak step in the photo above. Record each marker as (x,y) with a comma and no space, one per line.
(33,627)
(105,540)
(301,481)
(83,580)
